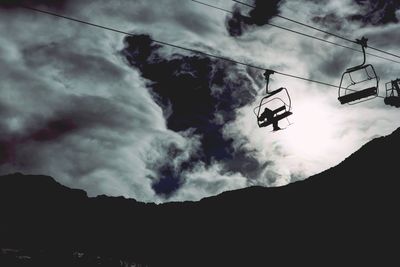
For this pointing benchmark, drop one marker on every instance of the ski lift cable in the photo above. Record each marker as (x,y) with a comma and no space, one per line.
(130,34)
(320,30)
(175,46)
(301,33)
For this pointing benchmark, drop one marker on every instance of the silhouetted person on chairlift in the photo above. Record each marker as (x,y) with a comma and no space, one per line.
(269,115)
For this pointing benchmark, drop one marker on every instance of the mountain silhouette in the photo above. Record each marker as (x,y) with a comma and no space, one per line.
(345,215)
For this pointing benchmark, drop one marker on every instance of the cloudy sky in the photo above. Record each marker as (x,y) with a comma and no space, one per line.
(125,116)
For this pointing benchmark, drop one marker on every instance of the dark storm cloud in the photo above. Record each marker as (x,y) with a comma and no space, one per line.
(58,4)
(263,12)
(237,24)
(372,12)
(196,93)
(377,12)
(369,12)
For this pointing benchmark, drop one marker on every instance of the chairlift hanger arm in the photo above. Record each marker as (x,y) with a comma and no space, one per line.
(267,75)
(363,42)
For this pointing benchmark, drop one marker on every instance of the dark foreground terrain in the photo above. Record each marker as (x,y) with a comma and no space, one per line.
(345,216)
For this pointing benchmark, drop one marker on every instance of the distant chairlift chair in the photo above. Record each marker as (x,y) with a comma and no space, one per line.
(393,93)
(359,83)
(276,106)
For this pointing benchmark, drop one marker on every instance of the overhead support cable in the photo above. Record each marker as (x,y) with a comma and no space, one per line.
(176,46)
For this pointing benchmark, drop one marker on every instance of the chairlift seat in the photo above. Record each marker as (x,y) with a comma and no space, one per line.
(276,119)
(279,109)
(358,95)
(275,111)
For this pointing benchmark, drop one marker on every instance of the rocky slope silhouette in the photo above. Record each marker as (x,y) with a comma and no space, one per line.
(344,216)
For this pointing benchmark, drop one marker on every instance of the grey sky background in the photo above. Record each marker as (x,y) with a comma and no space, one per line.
(73,107)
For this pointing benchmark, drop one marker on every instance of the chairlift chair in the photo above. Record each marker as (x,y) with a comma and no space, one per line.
(393,93)
(359,83)
(278,102)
